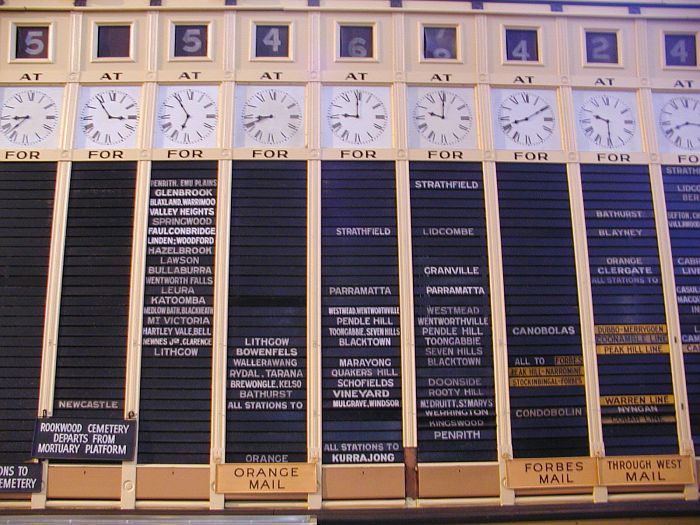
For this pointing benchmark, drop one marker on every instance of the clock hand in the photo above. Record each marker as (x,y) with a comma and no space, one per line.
(187,115)
(105,109)
(442,99)
(22,120)
(263,117)
(518,121)
(686,123)
(436,115)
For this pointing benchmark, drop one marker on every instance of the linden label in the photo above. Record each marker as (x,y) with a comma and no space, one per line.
(645,470)
(265,478)
(551,472)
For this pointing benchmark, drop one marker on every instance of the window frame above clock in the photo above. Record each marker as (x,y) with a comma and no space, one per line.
(254,56)
(457,43)
(668,49)
(373,47)
(96,38)
(45,54)
(175,26)
(507,52)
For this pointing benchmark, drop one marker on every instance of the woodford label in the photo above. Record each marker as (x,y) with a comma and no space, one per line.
(246,478)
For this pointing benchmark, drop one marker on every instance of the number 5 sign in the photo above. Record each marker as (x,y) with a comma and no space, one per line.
(32,42)
(190,40)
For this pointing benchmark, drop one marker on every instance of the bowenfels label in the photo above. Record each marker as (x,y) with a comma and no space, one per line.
(106,440)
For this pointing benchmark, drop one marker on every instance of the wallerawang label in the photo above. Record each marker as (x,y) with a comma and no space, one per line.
(105,440)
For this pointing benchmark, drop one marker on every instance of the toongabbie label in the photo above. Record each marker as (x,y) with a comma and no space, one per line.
(262,478)
(20,478)
(104,440)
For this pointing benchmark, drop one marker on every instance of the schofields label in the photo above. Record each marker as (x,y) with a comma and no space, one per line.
(105,440)
(20,478)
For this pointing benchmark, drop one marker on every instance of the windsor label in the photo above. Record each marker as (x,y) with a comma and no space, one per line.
(545,357)
(174,422)
(266,382)
(682,189)
(360,314)
(634,370)
(454,359)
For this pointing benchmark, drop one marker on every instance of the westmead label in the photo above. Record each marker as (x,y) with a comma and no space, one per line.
(105,440)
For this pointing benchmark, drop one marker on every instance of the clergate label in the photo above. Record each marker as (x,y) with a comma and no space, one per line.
(104,440)
(551,472)
(264,478)
(646,470)
(20,477)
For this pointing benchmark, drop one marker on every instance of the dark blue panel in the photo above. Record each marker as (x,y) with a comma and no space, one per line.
(454,363)
(629,313)
(548,405)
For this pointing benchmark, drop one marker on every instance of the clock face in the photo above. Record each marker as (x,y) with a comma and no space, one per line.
(108,117)
(28,117)
(186,116)
(357,117)
(678,122)
(526,119)
(271,116)
(606,121)
(441,117)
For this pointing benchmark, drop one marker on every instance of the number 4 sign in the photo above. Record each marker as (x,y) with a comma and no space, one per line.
(681,50)
(272,41)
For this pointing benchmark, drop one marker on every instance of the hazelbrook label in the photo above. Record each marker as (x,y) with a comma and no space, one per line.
(263,478)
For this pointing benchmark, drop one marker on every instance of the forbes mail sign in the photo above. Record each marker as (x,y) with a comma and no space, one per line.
(87,439)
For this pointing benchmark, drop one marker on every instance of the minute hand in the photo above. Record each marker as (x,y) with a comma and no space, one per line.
(545,108)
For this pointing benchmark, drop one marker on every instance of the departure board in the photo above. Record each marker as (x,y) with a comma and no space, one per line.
(545,356)
(636,393)
(92,343)
(360,314)
(266,407)
(454,357)
(682,188)
(175,406)
(26,208)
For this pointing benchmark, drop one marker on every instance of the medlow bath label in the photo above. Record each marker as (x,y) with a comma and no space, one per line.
(20,478)
(105,440)
(260,478)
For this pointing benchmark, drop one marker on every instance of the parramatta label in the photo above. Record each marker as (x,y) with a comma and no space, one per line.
(645,470)
(105,440)
(551,472)
(23,477)
(266,478)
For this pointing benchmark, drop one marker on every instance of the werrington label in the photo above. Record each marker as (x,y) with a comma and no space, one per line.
(105,440)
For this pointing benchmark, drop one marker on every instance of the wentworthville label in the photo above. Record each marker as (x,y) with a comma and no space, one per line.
(265,478)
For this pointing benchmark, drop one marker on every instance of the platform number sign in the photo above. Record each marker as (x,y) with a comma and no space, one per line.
(356,42)
(271,41)
(439,43)
(521,44)
(601,47)
(32,42)
(113,41)
(681,50)
(191,40)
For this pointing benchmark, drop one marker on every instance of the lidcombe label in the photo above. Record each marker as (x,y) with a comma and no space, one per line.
(105,440)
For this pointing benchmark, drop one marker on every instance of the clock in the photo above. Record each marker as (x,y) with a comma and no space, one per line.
(186,116)
(108,117)
(270,116)
(526,118)
(606,121)
(441,117)
(357,117)
(29,116)
(678,121)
